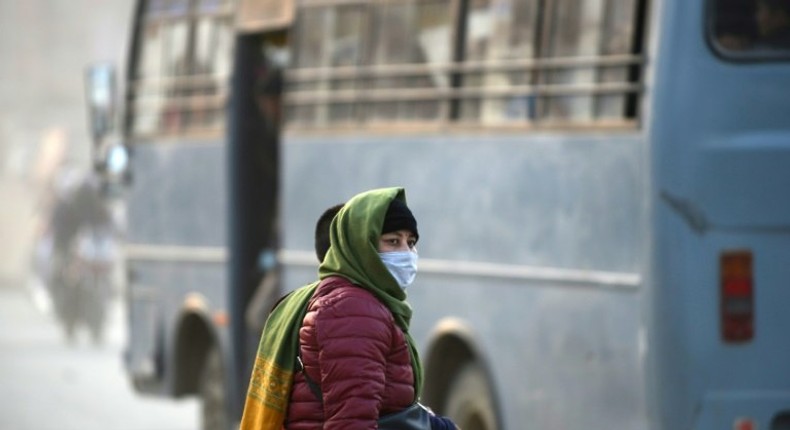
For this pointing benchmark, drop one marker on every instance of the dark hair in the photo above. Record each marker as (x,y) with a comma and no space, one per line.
(322,243)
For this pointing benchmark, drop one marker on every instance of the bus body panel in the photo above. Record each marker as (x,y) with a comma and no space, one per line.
(560,356)
(719,135)
(178,188)
(175,252)
(536,200)
(563,352)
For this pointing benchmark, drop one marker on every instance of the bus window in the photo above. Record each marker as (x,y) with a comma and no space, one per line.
(176,65)
(346,51)
(178,72)
(617,38)
(148,103)
(530,60)
(312,41)
(404,29)
(523,62)
(497,31)
(213,34)
(574,29)
(565,36)
(751,28)
(364,57)
(222,43)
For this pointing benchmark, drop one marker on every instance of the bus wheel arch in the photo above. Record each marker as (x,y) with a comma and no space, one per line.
(458,376)
(194,340)
(200,369)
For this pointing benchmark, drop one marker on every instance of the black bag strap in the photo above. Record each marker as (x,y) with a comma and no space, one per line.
(300,367)
(310,383)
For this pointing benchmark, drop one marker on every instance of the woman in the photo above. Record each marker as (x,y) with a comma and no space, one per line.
(350,330)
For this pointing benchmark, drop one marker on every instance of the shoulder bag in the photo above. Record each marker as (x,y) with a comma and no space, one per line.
(415,417)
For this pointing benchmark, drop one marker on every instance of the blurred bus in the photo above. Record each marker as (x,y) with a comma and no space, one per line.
(601,187)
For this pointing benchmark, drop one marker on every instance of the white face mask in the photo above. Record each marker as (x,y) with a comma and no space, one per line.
(402,266)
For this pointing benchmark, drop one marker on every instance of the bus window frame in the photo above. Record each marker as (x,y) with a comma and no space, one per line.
(297,76)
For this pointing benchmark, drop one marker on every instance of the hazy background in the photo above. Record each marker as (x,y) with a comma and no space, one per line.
(46,383)
(45,46)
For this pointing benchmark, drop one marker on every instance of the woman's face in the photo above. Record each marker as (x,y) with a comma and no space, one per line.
(401,240)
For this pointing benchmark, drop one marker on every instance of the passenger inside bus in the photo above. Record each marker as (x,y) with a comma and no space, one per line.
(269,80)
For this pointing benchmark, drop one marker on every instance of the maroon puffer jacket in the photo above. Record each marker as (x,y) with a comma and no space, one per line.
(352,348)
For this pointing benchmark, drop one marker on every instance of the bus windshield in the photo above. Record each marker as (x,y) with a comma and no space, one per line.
(751,29)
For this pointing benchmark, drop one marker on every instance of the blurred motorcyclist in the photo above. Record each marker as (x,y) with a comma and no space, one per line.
(78,203)
(83,253)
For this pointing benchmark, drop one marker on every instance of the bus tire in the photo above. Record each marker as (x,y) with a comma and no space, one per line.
(470,402)
(213,395)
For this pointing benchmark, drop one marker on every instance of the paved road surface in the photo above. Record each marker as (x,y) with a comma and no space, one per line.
(47,384)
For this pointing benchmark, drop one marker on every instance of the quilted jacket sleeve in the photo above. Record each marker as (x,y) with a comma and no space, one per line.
(354,332)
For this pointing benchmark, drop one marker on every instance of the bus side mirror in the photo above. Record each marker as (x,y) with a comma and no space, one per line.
(100,94)
(110,156)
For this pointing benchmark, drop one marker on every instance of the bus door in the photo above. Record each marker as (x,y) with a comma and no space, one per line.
(254,138)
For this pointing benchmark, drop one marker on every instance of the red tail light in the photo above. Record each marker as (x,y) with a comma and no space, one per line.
(744,424)
(737,296)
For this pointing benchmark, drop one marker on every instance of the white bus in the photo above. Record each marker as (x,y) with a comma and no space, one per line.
(601,187)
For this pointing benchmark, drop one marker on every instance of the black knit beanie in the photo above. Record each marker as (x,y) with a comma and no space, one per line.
(399,217)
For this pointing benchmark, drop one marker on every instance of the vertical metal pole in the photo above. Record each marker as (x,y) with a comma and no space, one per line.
(241,255)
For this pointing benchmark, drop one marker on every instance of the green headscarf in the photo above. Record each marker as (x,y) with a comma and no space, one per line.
(354,236)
